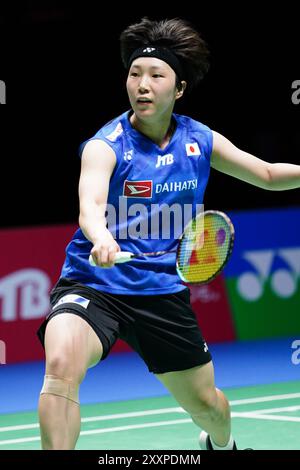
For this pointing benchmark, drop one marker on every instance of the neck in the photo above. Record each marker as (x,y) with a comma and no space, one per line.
(159,132)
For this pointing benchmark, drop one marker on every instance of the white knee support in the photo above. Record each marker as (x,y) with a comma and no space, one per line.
(61,387)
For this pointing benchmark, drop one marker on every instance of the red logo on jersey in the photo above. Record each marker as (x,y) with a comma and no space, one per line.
(137,188)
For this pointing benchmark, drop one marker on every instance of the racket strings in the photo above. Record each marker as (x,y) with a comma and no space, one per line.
(204,248)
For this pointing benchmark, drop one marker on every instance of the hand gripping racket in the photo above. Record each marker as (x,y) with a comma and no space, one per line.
(203,250)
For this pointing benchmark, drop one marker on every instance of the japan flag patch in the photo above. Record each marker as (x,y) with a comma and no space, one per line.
(192,149)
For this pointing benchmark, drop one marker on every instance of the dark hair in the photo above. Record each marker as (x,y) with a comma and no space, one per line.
(176,34)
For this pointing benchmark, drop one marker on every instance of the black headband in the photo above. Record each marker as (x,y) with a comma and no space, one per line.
(161,53)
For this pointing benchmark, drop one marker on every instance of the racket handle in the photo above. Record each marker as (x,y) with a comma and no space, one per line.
(120,257)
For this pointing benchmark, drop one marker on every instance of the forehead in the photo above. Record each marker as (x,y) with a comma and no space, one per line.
(150,63)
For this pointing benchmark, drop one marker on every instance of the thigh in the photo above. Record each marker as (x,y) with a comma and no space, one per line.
(89,311)
(166,333)
(191,386)
(71,345)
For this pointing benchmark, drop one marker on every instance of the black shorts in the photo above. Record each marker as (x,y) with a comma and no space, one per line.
(162,328)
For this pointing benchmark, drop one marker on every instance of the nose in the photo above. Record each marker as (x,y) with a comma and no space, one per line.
(143,85)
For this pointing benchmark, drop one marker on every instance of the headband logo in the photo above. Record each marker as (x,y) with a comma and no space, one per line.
(149,49)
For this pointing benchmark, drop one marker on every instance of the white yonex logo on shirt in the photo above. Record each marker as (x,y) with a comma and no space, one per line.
(163,160)
(128,155)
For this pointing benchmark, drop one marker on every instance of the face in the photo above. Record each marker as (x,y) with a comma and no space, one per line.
(151,88)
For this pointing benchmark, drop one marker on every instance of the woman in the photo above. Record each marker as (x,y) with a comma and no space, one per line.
(154,158)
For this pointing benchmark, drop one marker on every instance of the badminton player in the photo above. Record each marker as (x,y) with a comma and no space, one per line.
(147,156)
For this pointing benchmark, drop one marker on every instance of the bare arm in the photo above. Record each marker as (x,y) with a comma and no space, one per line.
(232,161)
(98,162)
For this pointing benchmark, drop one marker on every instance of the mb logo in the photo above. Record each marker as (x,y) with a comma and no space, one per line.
(163,160)
(2,92)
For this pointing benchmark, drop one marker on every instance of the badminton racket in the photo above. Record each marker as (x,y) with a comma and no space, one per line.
(203,250)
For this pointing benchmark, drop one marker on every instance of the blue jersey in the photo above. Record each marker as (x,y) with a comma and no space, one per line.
(148,189)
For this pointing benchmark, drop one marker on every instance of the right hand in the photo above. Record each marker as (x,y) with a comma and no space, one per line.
(104,249)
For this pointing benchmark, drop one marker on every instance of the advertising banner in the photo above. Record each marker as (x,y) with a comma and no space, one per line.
(263,275)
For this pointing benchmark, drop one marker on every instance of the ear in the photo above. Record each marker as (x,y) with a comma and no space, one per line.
(179,93)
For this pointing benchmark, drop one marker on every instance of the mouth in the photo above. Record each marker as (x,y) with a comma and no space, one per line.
(143,101)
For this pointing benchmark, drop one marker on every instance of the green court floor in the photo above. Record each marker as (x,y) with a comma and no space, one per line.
(264,417)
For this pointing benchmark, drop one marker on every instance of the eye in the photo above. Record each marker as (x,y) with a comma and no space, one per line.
(133,74)
(157,75)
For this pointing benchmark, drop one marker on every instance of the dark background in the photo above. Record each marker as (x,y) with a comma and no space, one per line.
(64,80)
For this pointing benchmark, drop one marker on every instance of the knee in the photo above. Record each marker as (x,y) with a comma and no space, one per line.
(62,365)
(204,404)
(61,387)
(63,376)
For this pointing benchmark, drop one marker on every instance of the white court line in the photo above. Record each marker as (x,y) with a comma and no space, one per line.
(106,430)
(19,427)
(158,411)
(286,396)
(156,424)
(286,409)
(263,416)
(132,414)
(257,414)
